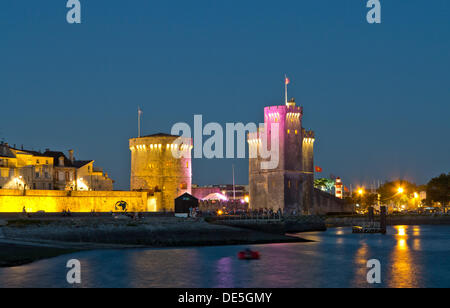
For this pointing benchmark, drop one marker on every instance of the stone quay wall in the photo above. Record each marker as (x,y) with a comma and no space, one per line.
(55,201)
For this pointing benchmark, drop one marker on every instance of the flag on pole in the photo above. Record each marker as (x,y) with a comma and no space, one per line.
(287,81)
(318,169)
(140,111)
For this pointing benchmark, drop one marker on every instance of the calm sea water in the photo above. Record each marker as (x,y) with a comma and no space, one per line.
(410,256)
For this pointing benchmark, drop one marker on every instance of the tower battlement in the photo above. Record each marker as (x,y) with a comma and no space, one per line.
(308,136)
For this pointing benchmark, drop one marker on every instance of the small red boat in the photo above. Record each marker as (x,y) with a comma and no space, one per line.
(248,255)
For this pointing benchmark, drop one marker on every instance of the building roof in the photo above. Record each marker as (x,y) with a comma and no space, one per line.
(186,196)
(6,152)
(56,155)
(160,135)
(215,196)
(81,163)
(67,162)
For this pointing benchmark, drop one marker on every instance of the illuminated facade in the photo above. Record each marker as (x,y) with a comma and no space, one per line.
(156,168)
(24,169)
(21,169)
(88,177)
(56,201)
(290,185)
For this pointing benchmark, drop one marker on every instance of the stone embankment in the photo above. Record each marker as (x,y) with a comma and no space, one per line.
(277,226)
(391,220)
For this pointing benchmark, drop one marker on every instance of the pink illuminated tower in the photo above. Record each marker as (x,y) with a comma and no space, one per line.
(290,185)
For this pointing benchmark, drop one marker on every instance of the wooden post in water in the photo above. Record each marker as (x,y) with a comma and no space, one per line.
(383,219)
(371,217)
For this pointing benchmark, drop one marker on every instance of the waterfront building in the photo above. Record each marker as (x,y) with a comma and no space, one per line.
(161,165)
(26,169)
(20,169)
(81,175)
(290,186)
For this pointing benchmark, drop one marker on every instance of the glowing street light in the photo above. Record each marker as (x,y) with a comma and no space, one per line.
(400,190)
(360,191)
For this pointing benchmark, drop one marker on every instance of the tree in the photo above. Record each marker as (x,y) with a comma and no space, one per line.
(365,200)
(396,192)
(438,189)
(324,184)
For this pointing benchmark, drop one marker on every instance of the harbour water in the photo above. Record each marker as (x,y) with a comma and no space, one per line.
(410,256)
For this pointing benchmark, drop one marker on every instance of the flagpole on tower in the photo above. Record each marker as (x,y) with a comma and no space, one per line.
(139,121)
(286,82)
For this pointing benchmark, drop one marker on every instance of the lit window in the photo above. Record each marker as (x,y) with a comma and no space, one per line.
(296,132)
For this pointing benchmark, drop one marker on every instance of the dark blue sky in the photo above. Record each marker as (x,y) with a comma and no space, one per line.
(378,96)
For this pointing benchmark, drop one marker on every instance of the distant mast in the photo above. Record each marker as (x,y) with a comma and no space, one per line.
(234,189)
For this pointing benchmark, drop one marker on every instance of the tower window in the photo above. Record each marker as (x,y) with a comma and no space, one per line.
(296,132)
(288,131)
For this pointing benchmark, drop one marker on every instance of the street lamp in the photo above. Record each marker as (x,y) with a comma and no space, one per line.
(400,190)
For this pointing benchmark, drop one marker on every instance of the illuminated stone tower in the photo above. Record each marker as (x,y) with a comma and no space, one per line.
(154,168)
(290,186)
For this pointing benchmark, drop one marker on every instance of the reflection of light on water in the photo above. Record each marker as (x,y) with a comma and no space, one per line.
(361,257)
(416,244)
(404,268)
(401,230)
(225,273)
(402,244)
(416,231)
(339,232)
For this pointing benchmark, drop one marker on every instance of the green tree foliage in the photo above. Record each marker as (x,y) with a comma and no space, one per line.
(438,189)
(389,192)
(324,184)
(365,200)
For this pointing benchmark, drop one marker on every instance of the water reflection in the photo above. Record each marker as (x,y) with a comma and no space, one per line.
(224,271)
(338,258)
(404,269)
(360,261)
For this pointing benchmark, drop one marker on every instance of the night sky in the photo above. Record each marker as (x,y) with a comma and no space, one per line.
(377,96)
